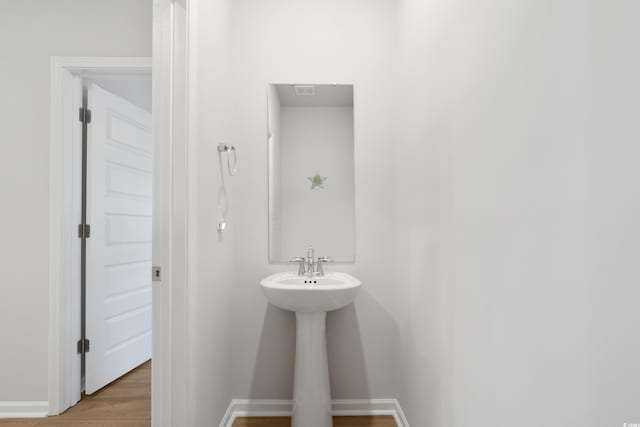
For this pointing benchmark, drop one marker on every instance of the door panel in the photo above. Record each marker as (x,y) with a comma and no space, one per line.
(119,206)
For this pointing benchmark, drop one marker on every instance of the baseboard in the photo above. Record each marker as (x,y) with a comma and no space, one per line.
(29,409)
(341,407)
(351,407)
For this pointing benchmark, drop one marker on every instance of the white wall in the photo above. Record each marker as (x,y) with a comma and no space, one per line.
(518,251)
(338,41)
(316,139)
(31,32)
(211,252)
(613,212)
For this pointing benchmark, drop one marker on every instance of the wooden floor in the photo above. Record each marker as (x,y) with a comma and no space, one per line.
(127,403)
(124,403)
(379,421)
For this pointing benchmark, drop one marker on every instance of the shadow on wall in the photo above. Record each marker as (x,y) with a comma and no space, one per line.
(275,357)
(347,365)
(350,368)
(348,371)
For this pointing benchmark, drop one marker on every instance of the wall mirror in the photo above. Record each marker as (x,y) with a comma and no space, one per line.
(311,171)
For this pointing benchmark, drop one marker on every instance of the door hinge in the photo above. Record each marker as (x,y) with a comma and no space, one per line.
(156,273)
(85,115)
(84,346)
(84,231)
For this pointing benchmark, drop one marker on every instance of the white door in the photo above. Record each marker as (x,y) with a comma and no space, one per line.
(118,263)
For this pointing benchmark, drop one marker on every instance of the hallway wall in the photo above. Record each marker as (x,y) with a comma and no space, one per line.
(31,31)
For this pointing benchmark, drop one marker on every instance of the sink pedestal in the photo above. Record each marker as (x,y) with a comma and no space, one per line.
(311,390)
(311,302)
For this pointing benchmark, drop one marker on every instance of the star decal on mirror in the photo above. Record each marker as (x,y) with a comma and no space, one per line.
(317,180)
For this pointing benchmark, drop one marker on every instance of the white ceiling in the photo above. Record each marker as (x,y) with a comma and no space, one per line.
(134,88)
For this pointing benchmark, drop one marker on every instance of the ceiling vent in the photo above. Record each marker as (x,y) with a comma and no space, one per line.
(304,90)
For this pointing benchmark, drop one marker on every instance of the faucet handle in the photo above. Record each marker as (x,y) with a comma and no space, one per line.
(301,262)
(321,260)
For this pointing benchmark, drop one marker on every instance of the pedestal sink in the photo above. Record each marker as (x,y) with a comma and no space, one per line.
(311,298)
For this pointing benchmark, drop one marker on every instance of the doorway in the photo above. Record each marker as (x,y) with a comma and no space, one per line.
(102,318)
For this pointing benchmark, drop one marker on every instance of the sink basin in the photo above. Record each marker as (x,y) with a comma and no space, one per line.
(311,298)
(310,294)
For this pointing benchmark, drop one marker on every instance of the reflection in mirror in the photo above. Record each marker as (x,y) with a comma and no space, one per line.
(311,171)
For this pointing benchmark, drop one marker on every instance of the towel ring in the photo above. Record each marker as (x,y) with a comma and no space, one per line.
(224,148)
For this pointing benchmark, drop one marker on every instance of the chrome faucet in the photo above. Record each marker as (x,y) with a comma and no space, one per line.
(311,262)
(310,266)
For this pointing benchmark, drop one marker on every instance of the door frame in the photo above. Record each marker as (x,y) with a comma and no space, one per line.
(172,130)
(65,180)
